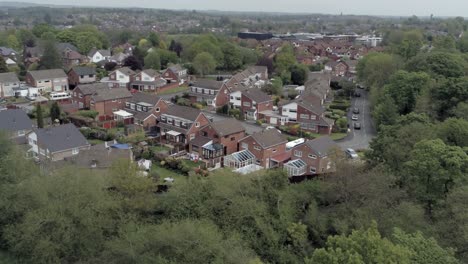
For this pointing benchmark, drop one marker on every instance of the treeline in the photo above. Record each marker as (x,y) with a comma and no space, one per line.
(83,216)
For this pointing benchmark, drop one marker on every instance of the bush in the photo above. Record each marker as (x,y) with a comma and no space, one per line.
(338,112)
(342,124)
(339,106)
(223,109)
(88,113)
(197,106)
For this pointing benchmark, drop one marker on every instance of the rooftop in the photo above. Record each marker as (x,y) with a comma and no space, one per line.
(60,138)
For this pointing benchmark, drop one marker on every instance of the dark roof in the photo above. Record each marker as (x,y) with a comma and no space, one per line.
(151,99)
(185,112)
(256,95)
(176,68)
(8,77)
(15,120)
(84,70)
(89,89)
(64,46)
(151,72)
(101,155)
(308,102)
(269,138)
(4,51)
(227,126)
(111,94)
(60,138)
(125,70)
(200,141)
(208,84)
(48,74)
(322,145)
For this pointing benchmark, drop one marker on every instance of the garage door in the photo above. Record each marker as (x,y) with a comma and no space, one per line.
(273,120)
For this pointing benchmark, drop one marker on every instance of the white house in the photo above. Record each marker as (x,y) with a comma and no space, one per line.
(235,99)
(290,110)
(96,56)
(8,83)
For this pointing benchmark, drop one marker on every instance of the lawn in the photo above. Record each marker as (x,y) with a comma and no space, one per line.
(165,173)
(95,141)
(191,164)
(157,149)
(175,90)
(338,136)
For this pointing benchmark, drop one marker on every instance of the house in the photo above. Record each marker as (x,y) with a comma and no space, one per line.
(9,82)
(254,76)
(217,139)
(268,147)
(180,124)
(214,93)
(16,123)
(81,75)
(337,68)
(55,80)
(8,53)
(81,95)
(119,58)
(96,56)
(102,156)
(175,73)
(312,157)
(253,101)
(110,100)
(146,109)
(318,86)
(147,80)
(72,58)
(56,143)
(121,78)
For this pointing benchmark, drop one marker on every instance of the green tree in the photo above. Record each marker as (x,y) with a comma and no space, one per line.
(232,57)
(299,74)
(26,37)
(375,69)
(204,63)
(454,132)
(144,44)
(13,42)
(448,93)
(386,112)
(153,61)
(444,43)
(39,116)
(67,36)
(438,64)
(153,39)
(55,112)
(284,59)
(51,59)
(3,65)
(167,57)
(39,29)
(85,41)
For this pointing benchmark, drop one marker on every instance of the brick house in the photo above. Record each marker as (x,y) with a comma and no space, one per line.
(107,101)
(146,109)
(337,68)
(55,80)
(254,101)
(81,75)
(253,76)
(56,143)
(175,73)
(268,147)
(214,93)
(147,80)
(312,157)
(121,78)
(180,124)
(217,140)
(8,83)
(81,95)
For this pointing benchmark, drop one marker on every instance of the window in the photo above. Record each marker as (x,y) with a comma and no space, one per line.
(176,123)
(247,104)
(233,138)
(232,97)
(163,118)
(80,96)
(298,153)
(204,133)
(312,156)
(91,75)
(293,110)
(158,109)
(127,104)
(138,107)
(197,124)
(274,150)
(75,151)
(21,133)
(238,98)
(313,170)
(313,117)
(257,148)
(121,76)
(304,116)
(192,136)
(169,120)
(82,76)
(114,100)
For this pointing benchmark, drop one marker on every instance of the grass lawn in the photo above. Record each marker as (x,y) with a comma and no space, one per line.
(160,149)
(338,136)
(95,141)
(165,173)
(191,164)
(175,90)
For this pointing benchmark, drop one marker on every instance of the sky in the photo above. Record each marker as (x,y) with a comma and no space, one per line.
(355,7)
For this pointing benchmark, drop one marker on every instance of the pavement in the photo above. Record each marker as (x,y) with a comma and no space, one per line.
(359,139)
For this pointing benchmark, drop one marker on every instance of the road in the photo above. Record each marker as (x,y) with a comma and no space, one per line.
(359,139)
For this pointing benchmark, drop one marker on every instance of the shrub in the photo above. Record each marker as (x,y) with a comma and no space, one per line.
(88,113)
(338,112)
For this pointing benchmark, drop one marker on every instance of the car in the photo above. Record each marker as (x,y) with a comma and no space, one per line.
(357,125)
(356,110)
(355,117)
(351,153)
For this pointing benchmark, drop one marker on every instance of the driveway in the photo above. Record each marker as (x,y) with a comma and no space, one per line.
(359,139)
(249,128)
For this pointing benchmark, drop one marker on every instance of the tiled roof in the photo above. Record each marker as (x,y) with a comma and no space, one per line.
(151,99)
(89,89)
(256,95)
(322,145)
(84,70)
(60,138)
(14,120)
(185,112)
(208,84)
(269,138)
(48,74)
(8,77)
(227,126)
(111,94)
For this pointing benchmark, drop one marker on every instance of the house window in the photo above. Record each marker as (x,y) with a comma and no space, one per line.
(233,138)
(75,151)
(274,150)
(176,122)
(197,124)
(21,133)
(158,109)
(232,97)
(163,118)
(121,76)
(238,98)
(247,104)
(298,153)
(313,170)
(91,75)
(80,96)
(192,136)
(114,100)
(293,110)
(312,156)
(127,104)
(257,148)
(138,107)
(204,133)
(244,145)
(304,116)
(169,120)
(313,117)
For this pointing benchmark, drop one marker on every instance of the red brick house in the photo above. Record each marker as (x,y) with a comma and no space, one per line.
(147,80)
(268,147)
(81,95)
(312,157)
(180,124)
(175,73)
(254,101)
(107,101)
(81,75)
(217,140)
(214,93)
(337,68)
(146,108)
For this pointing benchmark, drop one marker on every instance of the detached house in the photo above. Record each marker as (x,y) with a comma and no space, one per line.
(81,95)
(312,157)
(147,80)
(180,124)
(16,123)
(81,75)
(9,82)
(252,102)
(96,56)
(337,68)
(56,143)
(55,80)
(146,109)
(121,78)
(268,147)
(107,101)
(175,73)
(214,93)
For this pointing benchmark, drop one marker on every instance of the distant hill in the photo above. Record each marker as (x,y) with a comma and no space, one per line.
(24,4)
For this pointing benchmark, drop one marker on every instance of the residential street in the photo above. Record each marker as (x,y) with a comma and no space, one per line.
(359,139)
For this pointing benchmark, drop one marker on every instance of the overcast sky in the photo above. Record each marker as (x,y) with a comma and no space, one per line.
(358,7)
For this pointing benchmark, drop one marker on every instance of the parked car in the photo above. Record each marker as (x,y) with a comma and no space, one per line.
(355,117)
(356,110)
(357,125)
(351,153)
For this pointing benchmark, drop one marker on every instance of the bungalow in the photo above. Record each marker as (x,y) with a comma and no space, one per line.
(146,108)
(8,83)
(147,80)
(180,124)
(96,56)
(175,73)
(81,95)
(268,147)
(313,157)
(107,101)
(80,75)
(121,78)
(214,93)
(56,143)
(55,80)
(16,123)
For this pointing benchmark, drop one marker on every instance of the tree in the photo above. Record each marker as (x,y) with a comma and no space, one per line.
(284,59)
(176,47)
(444,43)
(267,62)
(167,57)
(39,116)
(448,93)
(55,112)
(3,65)
(386,112)
(152,61)
(439,64)
(154,39)
(133,63)
(454,132)
(232,57)
(85,41)
(26,38)
(39,29)
(144,44)
(110,66)
(51,58)
(299,74)
(204,63)
(67,36)
(13,42)
(375,69)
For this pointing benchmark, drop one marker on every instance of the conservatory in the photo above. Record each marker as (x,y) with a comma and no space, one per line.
(295,167)
(239,159)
